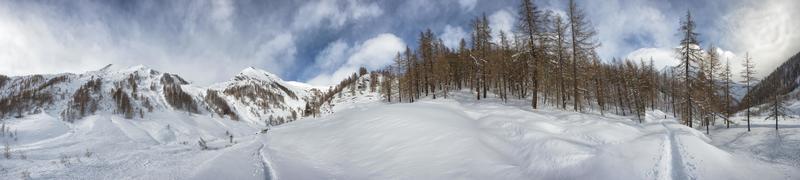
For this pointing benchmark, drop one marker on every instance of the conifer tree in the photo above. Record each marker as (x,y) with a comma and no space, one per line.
(712,68)
(689,55)
(481,47)
(777,106)
(528,25)
(560,31)
(727,75)
(582,42)
(748,78)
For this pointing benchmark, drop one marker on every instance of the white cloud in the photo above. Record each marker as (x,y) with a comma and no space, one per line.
(373,54)
(765,29)
(467,5)
(335,13)
(333,55)
(29,44)
(359,11)
(735,61)
(221,14)
(501,21)
(452,36)
(34,39)
(662,57)
(278,52)
(623,25)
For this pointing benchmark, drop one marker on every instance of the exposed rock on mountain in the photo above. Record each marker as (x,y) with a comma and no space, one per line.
(253,95)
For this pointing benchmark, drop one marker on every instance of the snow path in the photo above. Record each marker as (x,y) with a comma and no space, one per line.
(664,164)
(268,171)
(674,155)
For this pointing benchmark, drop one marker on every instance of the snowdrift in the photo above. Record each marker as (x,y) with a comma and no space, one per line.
(462,139)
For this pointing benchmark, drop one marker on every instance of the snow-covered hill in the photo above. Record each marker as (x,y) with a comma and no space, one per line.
(258,96)
(785,80)
(737,91)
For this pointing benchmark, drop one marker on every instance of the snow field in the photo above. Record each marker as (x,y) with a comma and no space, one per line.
(455,138)
(464,139)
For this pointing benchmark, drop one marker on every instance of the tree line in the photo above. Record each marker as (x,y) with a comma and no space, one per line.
(552,60)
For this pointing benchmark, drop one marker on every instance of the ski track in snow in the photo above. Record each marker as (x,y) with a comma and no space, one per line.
(664,162)
(675,156)
(265,165)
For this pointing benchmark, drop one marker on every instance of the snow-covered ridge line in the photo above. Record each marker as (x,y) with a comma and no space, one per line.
(253,95)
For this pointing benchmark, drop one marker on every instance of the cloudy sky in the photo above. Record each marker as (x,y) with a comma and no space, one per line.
(321,41)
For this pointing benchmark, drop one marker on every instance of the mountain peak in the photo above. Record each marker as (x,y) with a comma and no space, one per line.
(111,68)
(138,67)
(256,73)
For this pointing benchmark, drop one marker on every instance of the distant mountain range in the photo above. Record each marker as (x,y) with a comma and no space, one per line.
(252,95)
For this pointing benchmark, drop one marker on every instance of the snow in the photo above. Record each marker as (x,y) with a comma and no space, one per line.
(37,128)
(462,139)
(150,148)
(258,74)
(455,138)
(306,85)
(763,144)
(246,107)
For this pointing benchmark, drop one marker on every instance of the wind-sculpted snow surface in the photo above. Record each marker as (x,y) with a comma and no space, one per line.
(464,139)
(457,138)
(780,148)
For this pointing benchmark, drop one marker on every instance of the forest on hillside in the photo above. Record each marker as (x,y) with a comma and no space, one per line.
(551,59)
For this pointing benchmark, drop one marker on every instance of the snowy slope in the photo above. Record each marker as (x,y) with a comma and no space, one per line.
(461,139)
(360,137)
(737,91)
(73,96)
(355,96)
(256,95)
(780,148)
(785,79)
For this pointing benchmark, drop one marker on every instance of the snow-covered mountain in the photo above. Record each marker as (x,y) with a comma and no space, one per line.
(738,91)
(253,95)
(785,80)
(259,96)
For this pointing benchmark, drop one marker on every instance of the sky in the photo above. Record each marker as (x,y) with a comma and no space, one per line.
(322,41)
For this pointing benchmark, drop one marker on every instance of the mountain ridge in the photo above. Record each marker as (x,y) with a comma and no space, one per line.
(252,95)
(785,80)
